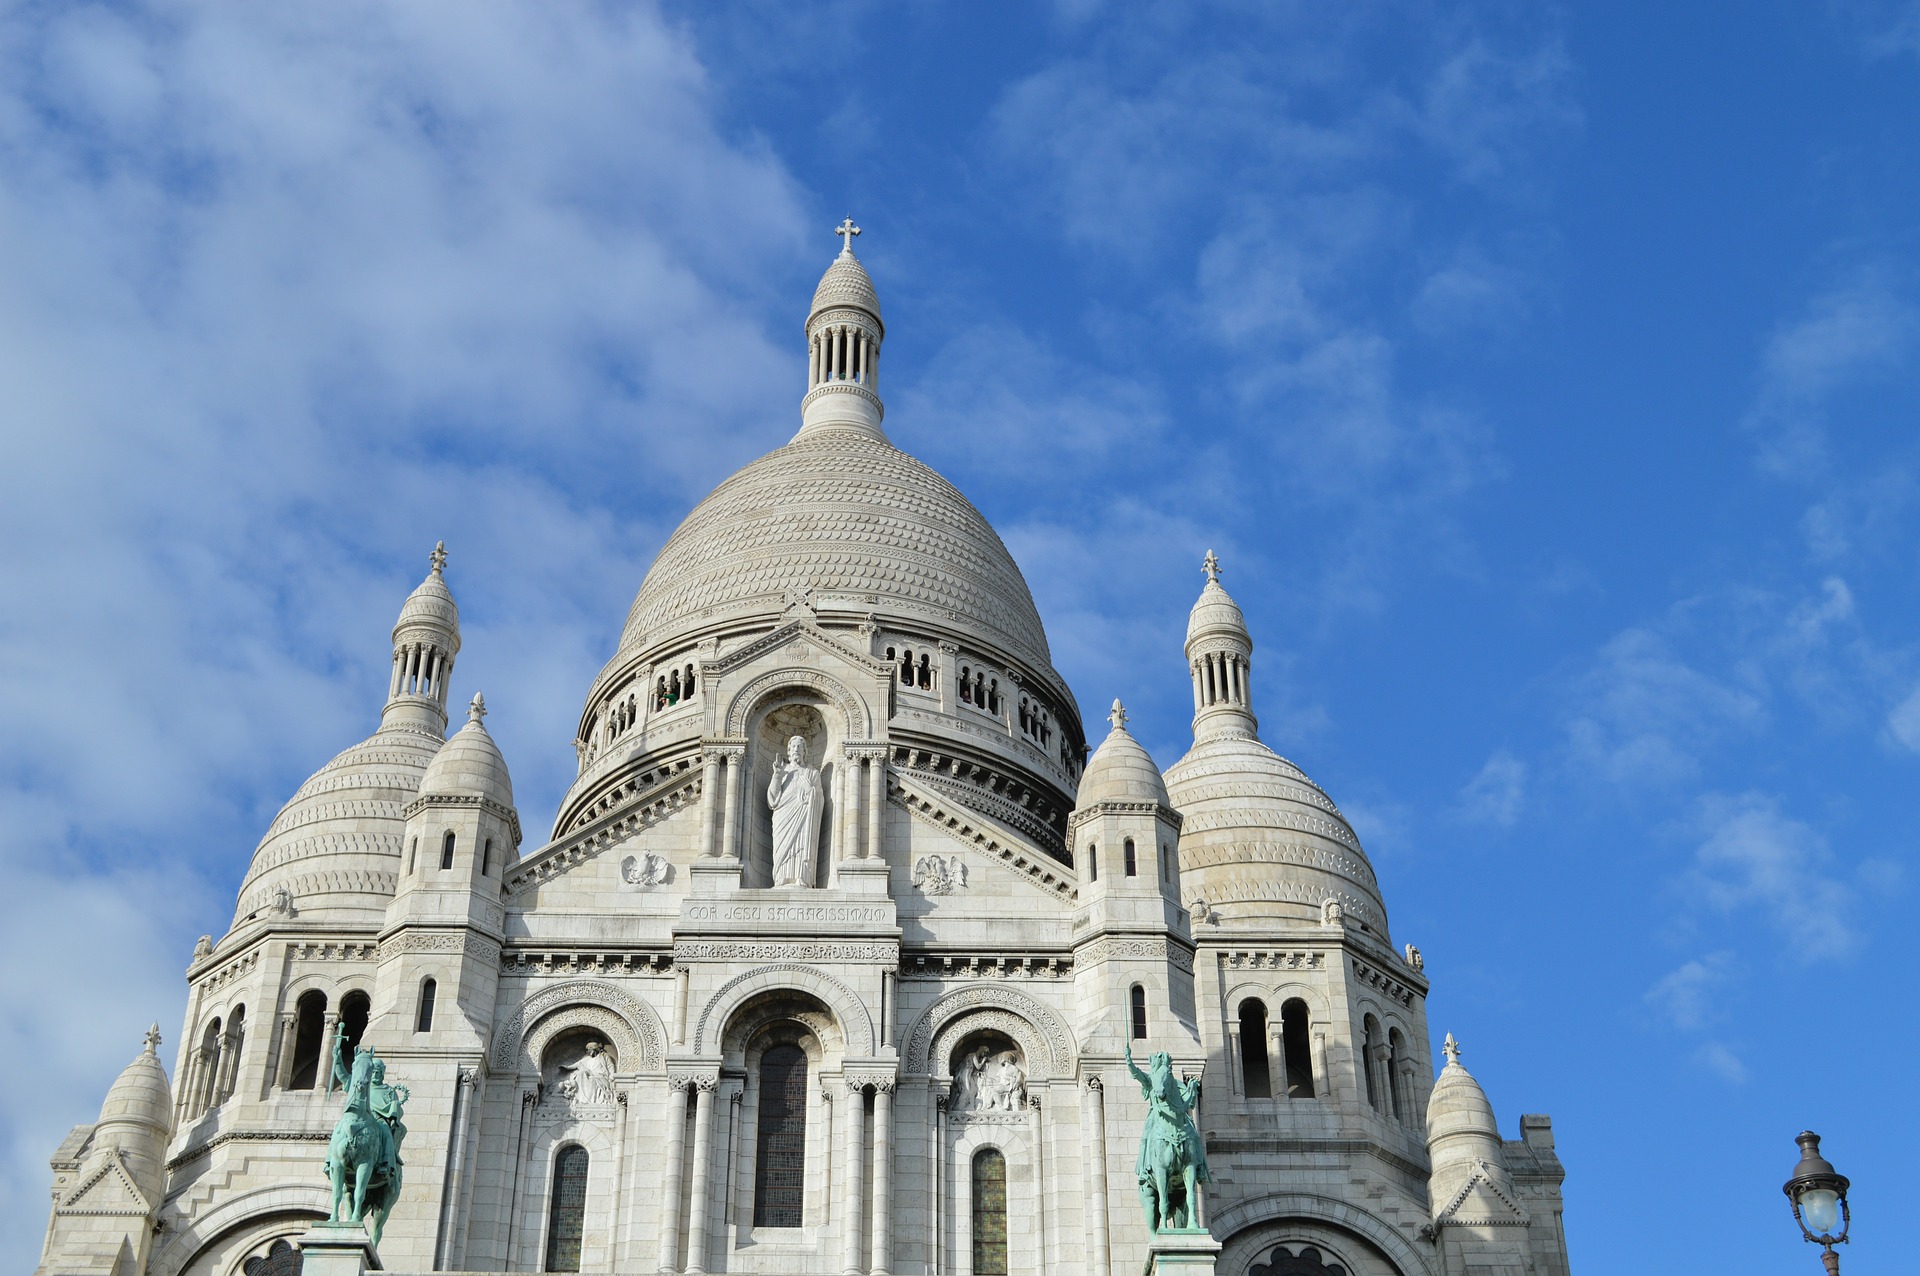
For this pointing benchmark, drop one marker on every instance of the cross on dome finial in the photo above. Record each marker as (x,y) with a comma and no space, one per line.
(438,557)
(1118,717)
(478,708)
(846,230)
(1451,1050)
(153,1039)
(1211,565)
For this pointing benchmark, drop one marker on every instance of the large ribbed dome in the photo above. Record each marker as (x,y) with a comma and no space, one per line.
(858,524)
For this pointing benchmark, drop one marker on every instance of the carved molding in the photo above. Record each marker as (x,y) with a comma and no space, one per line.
(787,951)
(1044,1038)
(1106,949)
(646,1039)
(465,942)
(748,698)
(847,1007)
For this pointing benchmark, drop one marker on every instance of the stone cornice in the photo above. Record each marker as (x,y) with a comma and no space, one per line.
(506,814)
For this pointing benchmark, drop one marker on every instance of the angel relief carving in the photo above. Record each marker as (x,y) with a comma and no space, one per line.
(645,871)
(986,1079)
(940,874)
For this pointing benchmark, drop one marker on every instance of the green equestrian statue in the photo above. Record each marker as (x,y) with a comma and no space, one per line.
(1173,1157)
(363,1157)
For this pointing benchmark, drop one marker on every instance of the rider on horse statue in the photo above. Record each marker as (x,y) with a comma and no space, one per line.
(1173,1158)
(363,1156)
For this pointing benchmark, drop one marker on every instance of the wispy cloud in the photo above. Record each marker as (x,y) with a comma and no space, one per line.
(1753,857)
(1497,794)
(1686,997)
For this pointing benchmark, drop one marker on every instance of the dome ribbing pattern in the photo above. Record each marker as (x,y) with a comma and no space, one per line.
(848,517)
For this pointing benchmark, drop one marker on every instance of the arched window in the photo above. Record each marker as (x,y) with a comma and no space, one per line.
(989,1213)
(1369,1044)
(1253,1049)
(1137,1003)
(486,857)
(230,1053)
(423,1022)
(1396,1051)
(1128,859)
(309,1022)
(446,851)
(1293,1049)
(1166,862)
(567,1214)
(966,685)
(780,1160)
(413,850)
(200,1097)
(926,673)
(1093,862)
(354,1009)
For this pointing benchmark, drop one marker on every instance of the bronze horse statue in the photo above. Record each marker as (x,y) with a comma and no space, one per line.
(1173,1158)
(363,1157)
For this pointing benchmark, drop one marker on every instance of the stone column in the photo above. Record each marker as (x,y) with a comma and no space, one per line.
(698,1224)
(1236,1063)
(1382,1079)
(1277,1084)
(936,1156)
(709,799)
(876,800)
(1036,1132)
(1093,1112)
(882,1255)
(289,1041)
(323,1071)
(949,673)
(1324,1086)
(457,1164)
(730,818)
(856,1174)
(848,822)
(617,1232)
(676,1167)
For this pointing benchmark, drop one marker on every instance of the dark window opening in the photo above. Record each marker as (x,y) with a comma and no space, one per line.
(567,1215)
(1253,1050)
(780,1162)
(446,851)
(989,1213)
(1138,1000)
(423,1022)
(310,1023)
(1128,858)
(1294,1049)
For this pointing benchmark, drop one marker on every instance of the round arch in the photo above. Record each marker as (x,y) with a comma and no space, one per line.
(640,1042)
(840,1001)
(743,708)
(1043,1038)
(179,1250)
(1248,1229)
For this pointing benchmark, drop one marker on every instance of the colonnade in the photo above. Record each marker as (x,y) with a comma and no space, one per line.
(1220,677)
(844,352)
(860,801)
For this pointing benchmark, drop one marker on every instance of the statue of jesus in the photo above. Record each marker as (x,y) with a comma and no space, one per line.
(794,796)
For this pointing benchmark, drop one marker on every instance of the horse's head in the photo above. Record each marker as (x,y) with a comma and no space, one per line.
(1160,1062)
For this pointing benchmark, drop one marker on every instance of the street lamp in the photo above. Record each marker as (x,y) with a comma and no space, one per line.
(1819,1199)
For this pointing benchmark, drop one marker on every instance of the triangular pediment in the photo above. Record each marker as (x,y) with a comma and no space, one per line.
(998,848)
(108,1189)
(802,632)
(1482,1201)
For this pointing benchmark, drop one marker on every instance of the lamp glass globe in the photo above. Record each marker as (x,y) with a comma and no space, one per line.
(1820,1206)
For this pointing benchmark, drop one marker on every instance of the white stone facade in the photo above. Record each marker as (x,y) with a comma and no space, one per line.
(819,1077)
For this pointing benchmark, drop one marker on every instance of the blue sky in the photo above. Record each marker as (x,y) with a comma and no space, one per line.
(1544,376)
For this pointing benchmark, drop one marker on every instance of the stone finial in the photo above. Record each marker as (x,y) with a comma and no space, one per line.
(1118,717)
(1211,565)
(153,1039)
(846,230)
(1452,1051)
(438,557)
(477,708)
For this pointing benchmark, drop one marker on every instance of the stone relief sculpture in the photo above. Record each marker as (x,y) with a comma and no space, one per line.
(1330,912)
(282,905)
(1414,959)
(940,875)
(1173,1156)
(588,1083)
(988,1081)
(794,798)
(646,870)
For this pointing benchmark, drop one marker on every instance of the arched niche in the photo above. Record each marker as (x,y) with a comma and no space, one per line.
(734,999)
(1343,1232)
(988,1067)
(783,715)
(629,1025)
(1035,1028)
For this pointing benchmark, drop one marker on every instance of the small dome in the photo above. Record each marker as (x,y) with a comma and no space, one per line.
(846,284)
(140,1099)
(431,602)
(1215,612)
(1120,770)
(469,764)
(1458,1107)
(1262,838)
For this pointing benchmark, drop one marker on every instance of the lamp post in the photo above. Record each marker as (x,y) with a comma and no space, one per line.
(1819,1199)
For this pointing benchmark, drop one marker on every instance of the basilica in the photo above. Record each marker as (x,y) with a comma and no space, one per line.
(846,951)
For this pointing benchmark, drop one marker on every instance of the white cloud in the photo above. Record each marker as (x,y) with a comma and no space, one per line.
(1754,858)
(1717,1058)
(1497,794)
(1685,997)
(1904,722)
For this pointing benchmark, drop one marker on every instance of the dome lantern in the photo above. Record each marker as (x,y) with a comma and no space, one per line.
(1220,660)
(426,638)
(844,333)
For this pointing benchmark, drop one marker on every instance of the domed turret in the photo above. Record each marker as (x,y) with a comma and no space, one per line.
(1464,1145)
(333,851)
(844,333)
(469,764)
(1261,841)
(1120,770)
(137,1116)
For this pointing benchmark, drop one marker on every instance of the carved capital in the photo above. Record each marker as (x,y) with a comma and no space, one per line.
(884,1086)
(469,1077)
(1095,1084)
(950,648)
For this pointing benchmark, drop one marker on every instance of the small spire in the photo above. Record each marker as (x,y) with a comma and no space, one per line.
(153,1039)
(846,230)
(1211,565)
(1118,717)
(477,708)
(438,557)
(1452,1051)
